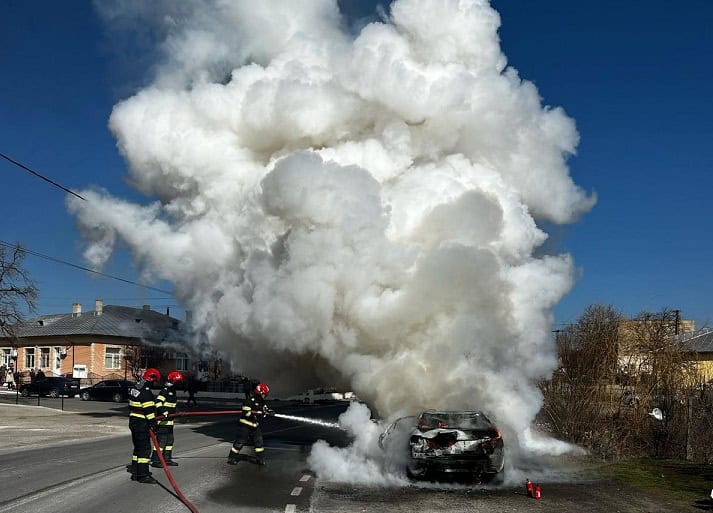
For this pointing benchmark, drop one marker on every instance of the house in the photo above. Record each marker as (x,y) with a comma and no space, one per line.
(699,345)
(640,338)
(109,342)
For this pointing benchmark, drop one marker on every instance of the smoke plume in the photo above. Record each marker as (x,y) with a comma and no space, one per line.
(358,209)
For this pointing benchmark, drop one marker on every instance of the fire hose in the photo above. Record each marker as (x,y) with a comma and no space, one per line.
(157,446)
(182,497)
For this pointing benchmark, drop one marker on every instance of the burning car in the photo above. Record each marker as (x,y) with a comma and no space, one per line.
(448,442)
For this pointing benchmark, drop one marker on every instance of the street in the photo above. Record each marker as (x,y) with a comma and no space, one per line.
(83,476)
(86,473)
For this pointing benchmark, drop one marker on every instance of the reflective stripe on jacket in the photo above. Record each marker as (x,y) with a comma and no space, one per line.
(253,411)
(166,405)
(141,402)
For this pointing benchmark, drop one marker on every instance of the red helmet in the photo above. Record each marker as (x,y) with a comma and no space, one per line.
(262,389)
(152,375)
(174,377)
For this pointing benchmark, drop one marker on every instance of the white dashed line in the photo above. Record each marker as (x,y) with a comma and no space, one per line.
(305,478)
(290,508)
(296,491)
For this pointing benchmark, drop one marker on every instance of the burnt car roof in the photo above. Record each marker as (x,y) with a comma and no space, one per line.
(453,419)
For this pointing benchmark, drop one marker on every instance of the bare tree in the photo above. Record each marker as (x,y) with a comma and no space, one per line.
(613,372)
(667,376)
(17,290)
(577,397)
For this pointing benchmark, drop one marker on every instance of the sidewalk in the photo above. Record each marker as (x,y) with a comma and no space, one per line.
(29,426)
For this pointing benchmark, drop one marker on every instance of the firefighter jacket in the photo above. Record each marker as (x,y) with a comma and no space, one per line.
(141,402)
(166,405)
(254,409)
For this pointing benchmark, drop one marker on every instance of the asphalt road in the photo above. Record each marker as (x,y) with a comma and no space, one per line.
(75,462)
(89,475)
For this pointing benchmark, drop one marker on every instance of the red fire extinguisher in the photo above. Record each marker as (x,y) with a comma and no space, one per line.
(538,492)
(528,487)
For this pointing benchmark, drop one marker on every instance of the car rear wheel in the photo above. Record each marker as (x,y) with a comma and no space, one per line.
(84,396)
(118,398)
(25,393)
(415,473)
(53,393)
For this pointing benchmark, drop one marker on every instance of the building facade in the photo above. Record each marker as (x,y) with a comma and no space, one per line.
(108,342)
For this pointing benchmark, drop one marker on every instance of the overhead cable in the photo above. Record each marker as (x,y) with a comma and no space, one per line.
(70,264)
(38,175)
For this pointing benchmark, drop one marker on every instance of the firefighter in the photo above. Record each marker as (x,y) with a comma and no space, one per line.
(165,406)
(142,417)
(249,432)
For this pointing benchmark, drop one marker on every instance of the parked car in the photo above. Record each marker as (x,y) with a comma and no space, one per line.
(438,442)
(116,390)
(322,394)
(53,387)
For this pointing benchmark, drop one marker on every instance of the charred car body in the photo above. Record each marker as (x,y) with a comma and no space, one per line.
(447,442)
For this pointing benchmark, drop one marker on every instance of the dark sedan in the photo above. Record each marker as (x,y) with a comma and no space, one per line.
(53,387)
(449,442)
(116,390)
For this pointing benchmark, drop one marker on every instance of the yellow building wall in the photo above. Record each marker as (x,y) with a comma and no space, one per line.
(705,364)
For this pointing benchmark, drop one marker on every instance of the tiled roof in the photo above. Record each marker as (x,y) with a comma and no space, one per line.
(700,341)
(114,321)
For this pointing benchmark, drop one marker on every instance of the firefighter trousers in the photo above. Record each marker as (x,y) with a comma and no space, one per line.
(247,435)
(164,434)
(142,446)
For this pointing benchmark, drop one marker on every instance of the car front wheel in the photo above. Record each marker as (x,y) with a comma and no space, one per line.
(84,396)
(25,393)
(118,398)
(497,478)
(54,394)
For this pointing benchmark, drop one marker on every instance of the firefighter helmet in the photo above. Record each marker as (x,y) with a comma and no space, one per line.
(262,389)
(174,377)
(152,375)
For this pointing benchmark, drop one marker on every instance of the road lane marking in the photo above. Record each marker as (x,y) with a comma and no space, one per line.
(305,478)
(296,491)
(290,508)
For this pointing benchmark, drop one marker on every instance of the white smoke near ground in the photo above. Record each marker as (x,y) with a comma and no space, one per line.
(349,209)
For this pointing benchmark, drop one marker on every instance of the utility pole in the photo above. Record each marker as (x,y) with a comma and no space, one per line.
(678,320)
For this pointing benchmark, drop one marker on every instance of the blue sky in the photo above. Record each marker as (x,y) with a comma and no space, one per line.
(636,77)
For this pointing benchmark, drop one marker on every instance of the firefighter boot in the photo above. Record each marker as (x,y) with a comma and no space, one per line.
(167,455)
(146,480)
(260,460)
(234,456)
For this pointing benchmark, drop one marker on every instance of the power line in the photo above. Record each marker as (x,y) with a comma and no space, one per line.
(70,264)
(38,175)
(133,298)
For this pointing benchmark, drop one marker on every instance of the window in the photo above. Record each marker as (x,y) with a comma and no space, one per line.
(44,357)
(29,357)
(58,358)
(6,357)
(112,358)
(181,361)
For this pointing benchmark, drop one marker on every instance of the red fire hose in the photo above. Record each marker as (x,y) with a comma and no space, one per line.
(169,476)
(192,413)
(157,446)
(163,461)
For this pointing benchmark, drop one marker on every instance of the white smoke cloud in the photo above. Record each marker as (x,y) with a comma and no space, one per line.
(364,461)
(361,209)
